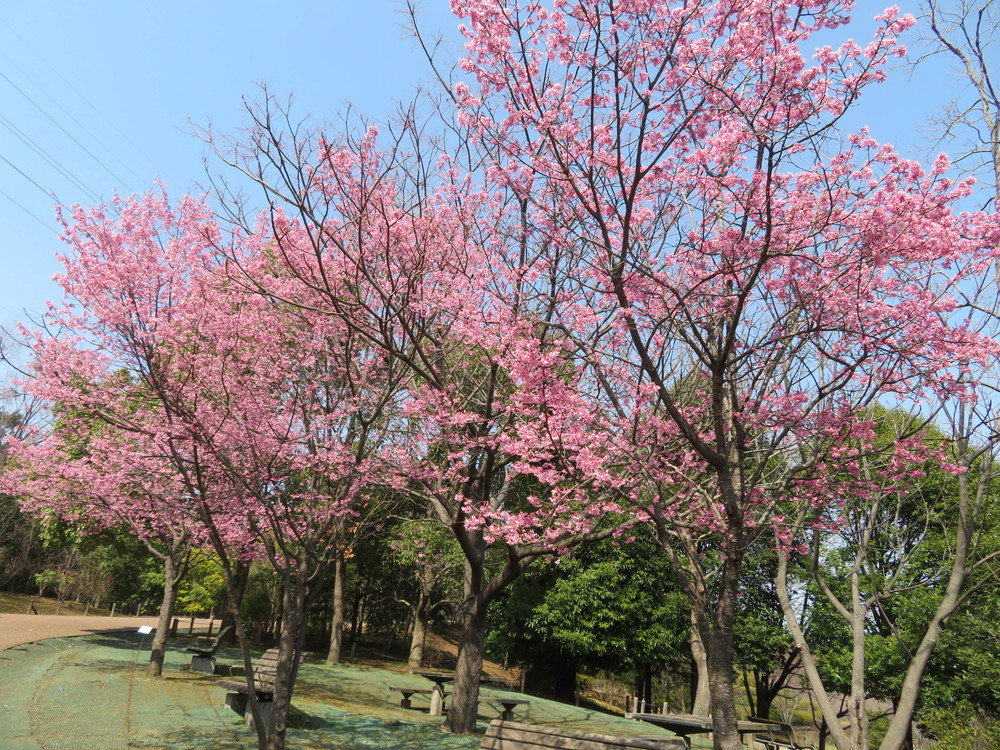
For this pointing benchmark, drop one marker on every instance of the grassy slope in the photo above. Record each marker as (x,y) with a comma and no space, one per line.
(17,604)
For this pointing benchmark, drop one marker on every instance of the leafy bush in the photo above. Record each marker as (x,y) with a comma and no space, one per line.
(962,727)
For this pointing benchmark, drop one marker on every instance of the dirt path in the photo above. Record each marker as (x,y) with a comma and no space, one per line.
(16,630)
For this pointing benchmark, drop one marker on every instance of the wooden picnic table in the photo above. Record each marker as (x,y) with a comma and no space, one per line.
(439,678)
(680,724)
(687,724)
(512,735)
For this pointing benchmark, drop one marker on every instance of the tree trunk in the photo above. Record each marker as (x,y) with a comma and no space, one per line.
(857,701)
(358,616)
(764,696)
(699,695)
(337,619)
(421,616)
(159,648)
(643,685)
(420,627)
(716,633)
(294,613)
(902,721)
(769,685)
(840,738)
(471,641)
(719,649)
(239,581)
(565,681)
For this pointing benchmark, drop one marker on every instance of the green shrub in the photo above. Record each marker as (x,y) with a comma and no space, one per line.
(961,727)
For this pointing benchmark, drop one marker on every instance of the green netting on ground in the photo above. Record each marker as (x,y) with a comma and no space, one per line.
(91,693)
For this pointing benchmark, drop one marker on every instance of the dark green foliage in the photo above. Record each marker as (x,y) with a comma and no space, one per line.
(961,726)
(610,607)
(22,552)
(261,604)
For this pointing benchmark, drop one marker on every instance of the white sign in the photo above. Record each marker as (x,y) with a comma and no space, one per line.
(145,630)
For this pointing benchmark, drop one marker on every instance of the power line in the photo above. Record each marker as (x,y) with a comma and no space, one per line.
(32,215)
(25,175)
(67,133)
(113,126)
(52,161)
(65,111)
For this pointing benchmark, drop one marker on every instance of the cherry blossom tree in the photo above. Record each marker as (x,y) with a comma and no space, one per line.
(741,283)
(401,248)
(271,421)
(95,482)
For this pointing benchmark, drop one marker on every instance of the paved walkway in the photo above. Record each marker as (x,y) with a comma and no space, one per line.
(16,630)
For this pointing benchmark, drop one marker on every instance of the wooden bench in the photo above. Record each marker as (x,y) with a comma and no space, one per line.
(776,736)
(511,735)
(264,675)
(204,655)
(408,691)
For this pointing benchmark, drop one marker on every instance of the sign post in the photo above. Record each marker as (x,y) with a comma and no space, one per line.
(143,631)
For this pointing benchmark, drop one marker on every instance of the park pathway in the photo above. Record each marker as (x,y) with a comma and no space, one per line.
(16,630)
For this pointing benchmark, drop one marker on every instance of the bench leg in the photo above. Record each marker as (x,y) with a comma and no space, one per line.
(203,664)
(405,702)
(437,701)
(507,714)
(237,702)
(266,709)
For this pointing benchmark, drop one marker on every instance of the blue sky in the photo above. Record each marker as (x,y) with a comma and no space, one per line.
(97,97)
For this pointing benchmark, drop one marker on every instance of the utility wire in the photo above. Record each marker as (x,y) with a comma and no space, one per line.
(65,111)
(52,161)
(31,180)
(32,215)
(67,133)
(111,123)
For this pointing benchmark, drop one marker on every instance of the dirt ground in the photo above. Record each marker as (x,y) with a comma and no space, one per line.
(17,630)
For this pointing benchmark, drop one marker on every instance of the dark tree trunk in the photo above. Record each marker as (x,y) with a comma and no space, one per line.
(718,646)
(240,576)
(555,677)
(699,677)
(294,623)
(356,609)
(644,684)
(159,648)
(337,619)
(716,630)
(768,686)
(765,696)
(471,642)
(419,637)
(421,617)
